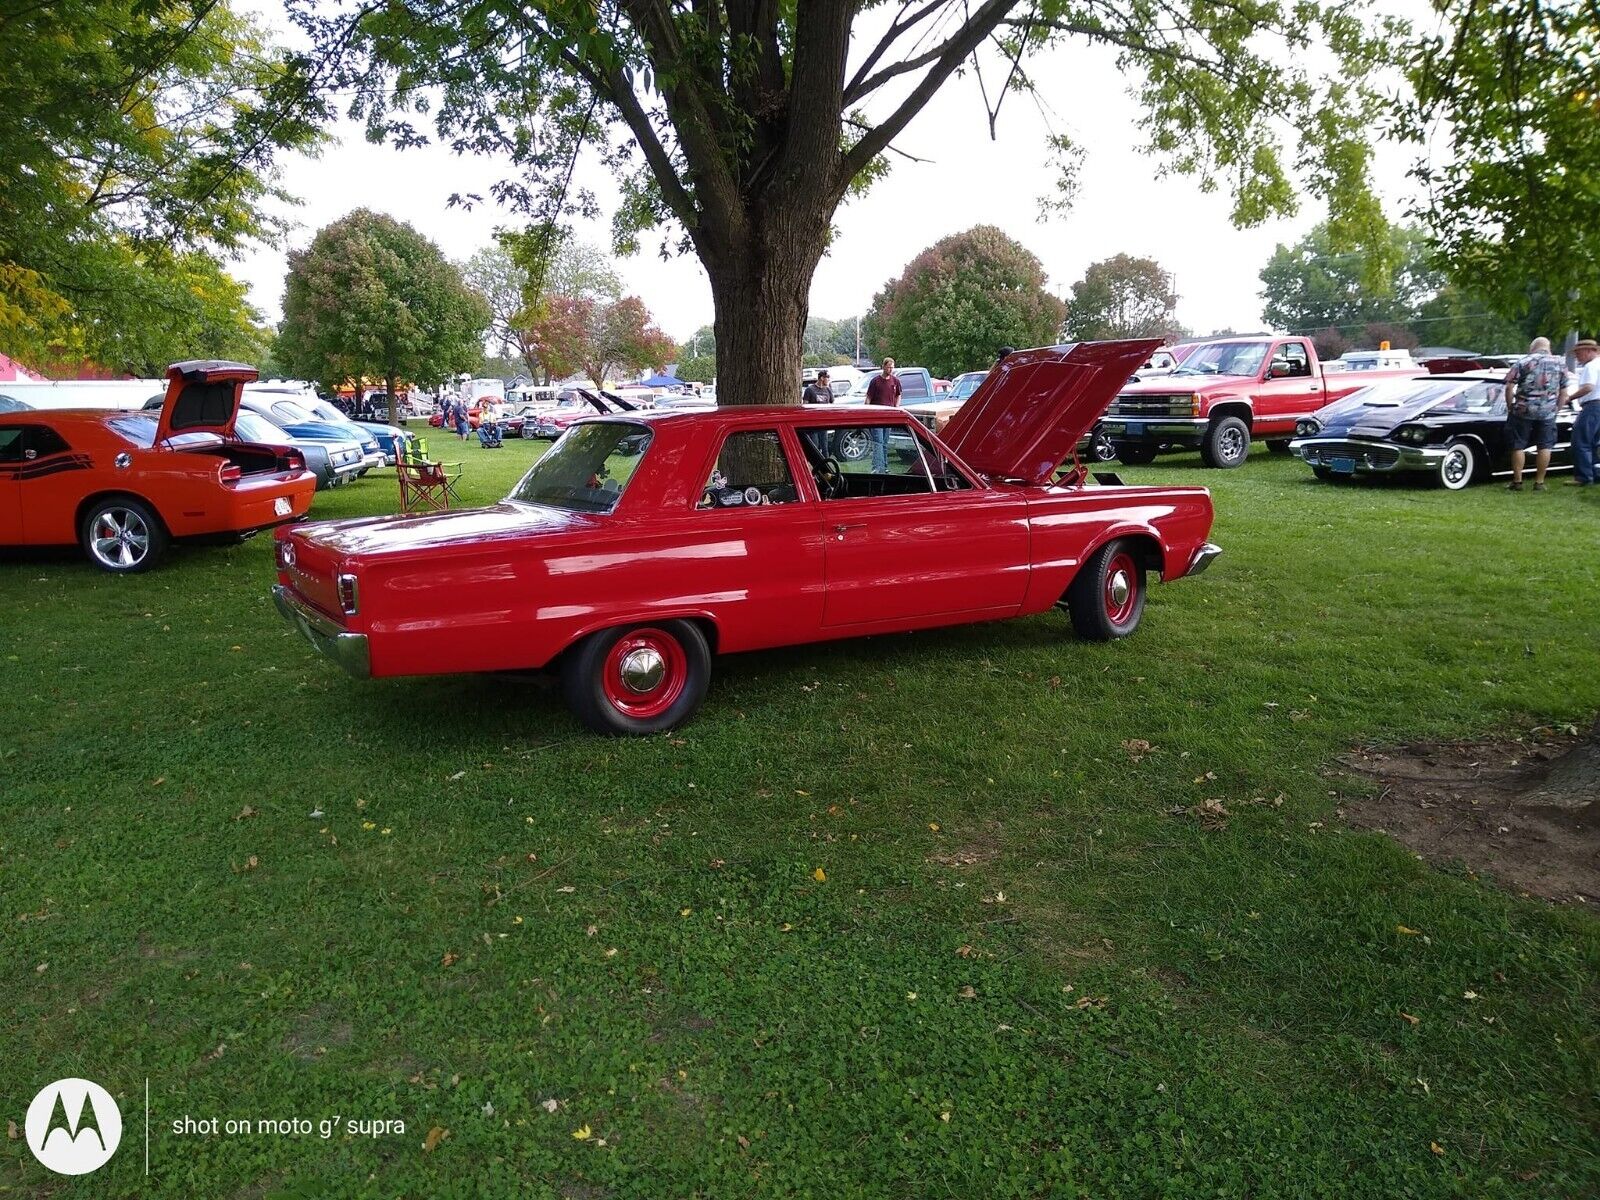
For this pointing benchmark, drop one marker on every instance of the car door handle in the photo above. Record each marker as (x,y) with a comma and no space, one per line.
(30,454)
(841,530)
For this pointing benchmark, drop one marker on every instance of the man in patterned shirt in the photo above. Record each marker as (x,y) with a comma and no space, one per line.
(1533,393)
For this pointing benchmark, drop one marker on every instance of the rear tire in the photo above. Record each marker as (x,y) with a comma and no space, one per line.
(1106,597)
(1227,444)
(122,535)
(1135,455)
(637,679)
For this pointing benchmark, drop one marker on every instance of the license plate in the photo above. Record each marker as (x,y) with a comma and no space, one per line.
(281,507)
(1134,427)
(1342,466)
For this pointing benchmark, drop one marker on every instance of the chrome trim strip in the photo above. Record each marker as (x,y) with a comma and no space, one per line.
(1203,558)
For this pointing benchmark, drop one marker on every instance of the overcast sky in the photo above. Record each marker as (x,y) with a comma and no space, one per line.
(1122,207)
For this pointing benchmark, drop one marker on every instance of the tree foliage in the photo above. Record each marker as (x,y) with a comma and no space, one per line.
(597,337)
(1509,93)
(735,128)
(372,297)
(137,145)
(959,301)
(1123,297)
(1346,302)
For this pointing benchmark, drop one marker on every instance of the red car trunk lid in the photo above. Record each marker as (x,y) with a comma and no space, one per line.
(202,397)
(1031,411)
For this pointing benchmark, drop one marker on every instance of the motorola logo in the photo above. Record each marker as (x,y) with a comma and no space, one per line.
(73,1126)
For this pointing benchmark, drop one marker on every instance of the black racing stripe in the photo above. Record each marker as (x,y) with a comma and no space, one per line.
(54,466)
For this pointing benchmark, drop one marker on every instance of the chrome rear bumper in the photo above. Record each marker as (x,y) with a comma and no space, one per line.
(1203,558)
(327,637)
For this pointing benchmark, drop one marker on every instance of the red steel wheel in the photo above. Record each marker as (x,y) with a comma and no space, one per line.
(637,679)
(1122,584)
(1106,598)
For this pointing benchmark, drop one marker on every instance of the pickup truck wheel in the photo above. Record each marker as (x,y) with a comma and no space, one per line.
(637,679)
(1135,456)
(1101,448)
(122,535)
(1227,443)
(852,445)
(1459,466)
(1106,597)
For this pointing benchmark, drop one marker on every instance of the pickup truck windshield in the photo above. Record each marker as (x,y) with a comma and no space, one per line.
(588,467)
(1225,358)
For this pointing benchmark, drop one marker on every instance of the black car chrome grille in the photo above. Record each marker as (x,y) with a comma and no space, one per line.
(1374,454)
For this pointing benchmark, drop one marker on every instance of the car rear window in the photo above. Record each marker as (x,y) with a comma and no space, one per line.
(588,468)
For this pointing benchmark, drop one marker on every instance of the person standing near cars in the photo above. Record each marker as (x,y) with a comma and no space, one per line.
(1533,392)
(818,392)
(884,389)
(1586,399)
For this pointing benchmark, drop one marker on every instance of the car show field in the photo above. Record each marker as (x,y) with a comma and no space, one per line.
(985,910)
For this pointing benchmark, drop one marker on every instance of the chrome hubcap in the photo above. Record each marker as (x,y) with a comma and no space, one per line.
(1119,589)
(642,670)
(1232,443)
(1455,466)
(120,538)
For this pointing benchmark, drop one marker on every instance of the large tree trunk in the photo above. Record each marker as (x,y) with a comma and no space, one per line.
(390,380)
(762,295)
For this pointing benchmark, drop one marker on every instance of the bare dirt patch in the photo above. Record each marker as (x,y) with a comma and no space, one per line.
(1525,811)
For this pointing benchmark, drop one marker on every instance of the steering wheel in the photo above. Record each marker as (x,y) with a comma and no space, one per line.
(830,479)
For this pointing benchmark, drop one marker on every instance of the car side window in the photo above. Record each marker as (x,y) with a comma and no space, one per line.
(913,386)
(43,440)
(1290,360)
(844,461)
(284,413)
(751,470)
(10,443)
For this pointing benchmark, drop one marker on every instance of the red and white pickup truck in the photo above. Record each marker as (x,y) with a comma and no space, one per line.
(1227,393)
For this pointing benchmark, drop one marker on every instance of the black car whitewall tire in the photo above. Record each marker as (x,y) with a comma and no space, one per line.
(637,679)
(122,535)
(1459,466)
(1226,444)
(1106,597)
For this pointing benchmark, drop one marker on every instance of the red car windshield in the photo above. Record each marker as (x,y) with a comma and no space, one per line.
(587,469)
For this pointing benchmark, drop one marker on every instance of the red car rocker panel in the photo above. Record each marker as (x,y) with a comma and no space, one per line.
(644,542)
(124,485)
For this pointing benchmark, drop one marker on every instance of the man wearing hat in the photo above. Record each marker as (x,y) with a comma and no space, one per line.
(1586,399)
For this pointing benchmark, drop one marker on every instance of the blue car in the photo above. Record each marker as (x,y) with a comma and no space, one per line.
(389,437)
(288,413)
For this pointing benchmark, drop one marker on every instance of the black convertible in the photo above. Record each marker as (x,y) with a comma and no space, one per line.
(1449,427)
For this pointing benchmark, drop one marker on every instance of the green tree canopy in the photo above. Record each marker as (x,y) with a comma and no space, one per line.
(1507,93)
(1123,297)
(735,128)
(959,301)
(138,140)
(581,333)
(372,297)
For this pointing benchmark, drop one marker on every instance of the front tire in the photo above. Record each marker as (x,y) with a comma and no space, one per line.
(1106,597)
(1227,444)
(1101,448)
(122,535)
(637,679)
(1459,467)
(1135,455)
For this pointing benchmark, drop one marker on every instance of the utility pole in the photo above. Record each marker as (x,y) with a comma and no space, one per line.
(858,342)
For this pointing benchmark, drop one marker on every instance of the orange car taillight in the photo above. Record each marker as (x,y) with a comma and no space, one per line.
(231,472)
(293,460)
(349,594)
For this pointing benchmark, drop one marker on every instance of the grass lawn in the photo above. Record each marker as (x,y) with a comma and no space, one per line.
(908,917)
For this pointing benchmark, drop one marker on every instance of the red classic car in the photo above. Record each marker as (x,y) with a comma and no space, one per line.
(733,529)
(125,484)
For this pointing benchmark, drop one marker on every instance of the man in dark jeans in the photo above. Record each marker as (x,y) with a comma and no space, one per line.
(884,389)
(1533,392)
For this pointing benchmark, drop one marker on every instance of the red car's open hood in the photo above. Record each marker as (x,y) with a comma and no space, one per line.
(202,397)
(1029,414)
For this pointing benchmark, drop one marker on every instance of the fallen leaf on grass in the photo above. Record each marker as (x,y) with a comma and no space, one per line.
(1208,777)
(744,1142)
(583,1133)
(1469,995)
(566,891)
(716,864)
(41,968)
(1435,1147)
(435,1135)
(1137,748)
(1412,1020)
(11,1130)
(450,959)
(458,775)
(820,875)
(251,863)
(550,1105)
(968,993)
(933,825)
(1406,929)
(246,812)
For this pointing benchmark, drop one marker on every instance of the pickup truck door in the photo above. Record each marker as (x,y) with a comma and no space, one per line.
(1290,388)
(10,488)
